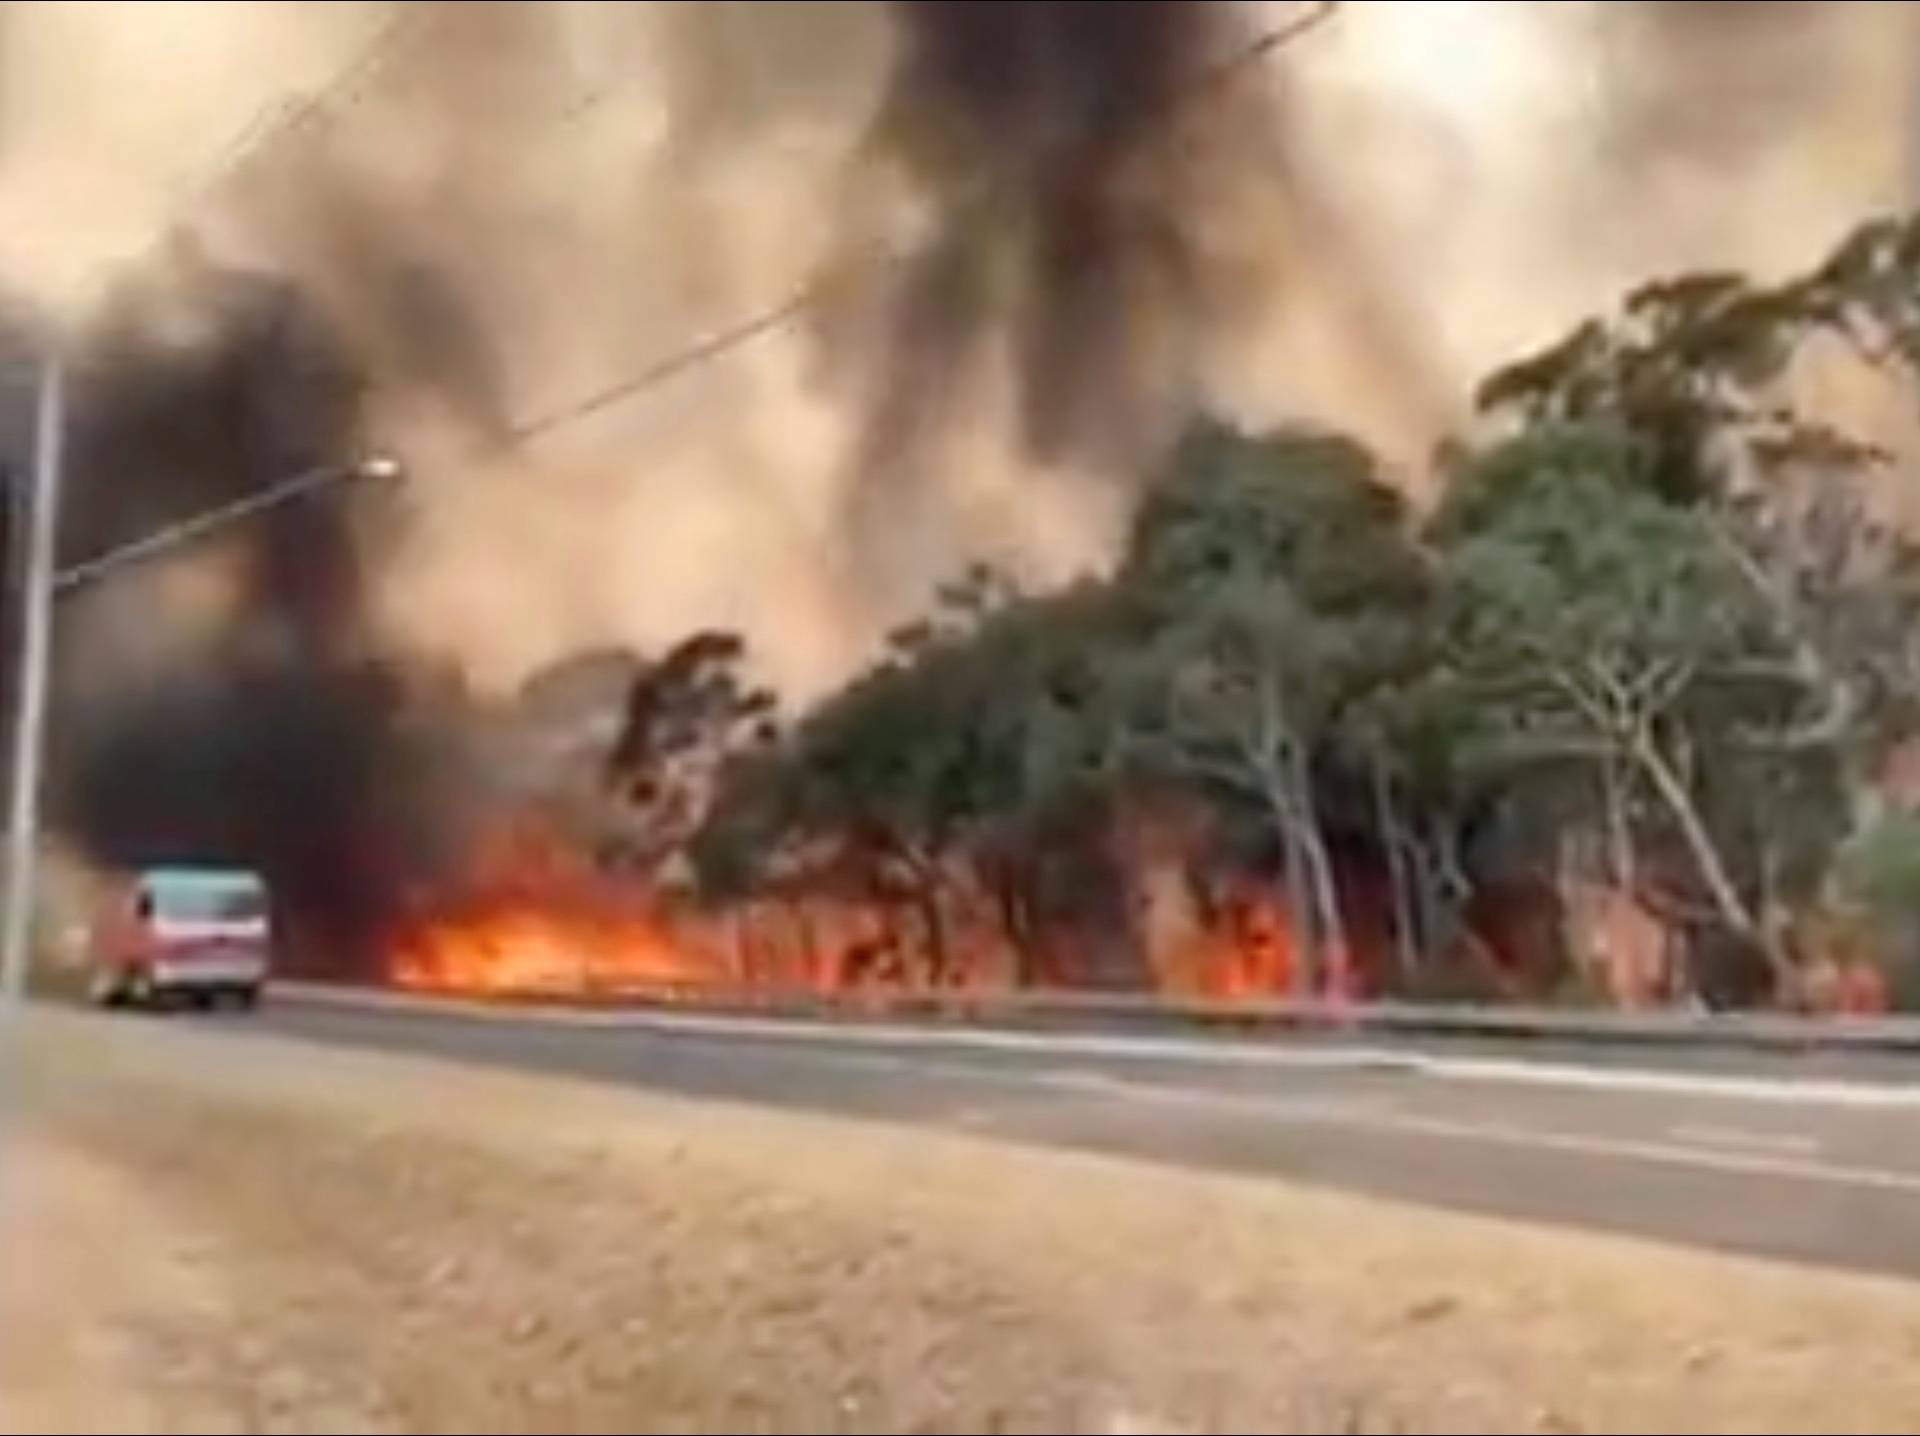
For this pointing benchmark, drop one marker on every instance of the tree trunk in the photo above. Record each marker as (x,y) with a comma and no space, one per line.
(1620,854)
(1405,942)
(927,899)
(812,960)
(1440,885)
(1003,876)
(922,880)
(1336,956)
(1424,888)
(1326,898)
(1706,856)
(1295,883)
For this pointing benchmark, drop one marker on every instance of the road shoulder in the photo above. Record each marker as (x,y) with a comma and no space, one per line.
(398,1244)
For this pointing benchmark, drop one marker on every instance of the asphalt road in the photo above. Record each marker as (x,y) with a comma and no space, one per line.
(1768,1156)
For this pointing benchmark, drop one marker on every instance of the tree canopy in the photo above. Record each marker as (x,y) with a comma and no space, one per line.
(1652,637)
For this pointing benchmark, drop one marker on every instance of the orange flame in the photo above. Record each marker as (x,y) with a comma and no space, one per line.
(509,946)
(538,917)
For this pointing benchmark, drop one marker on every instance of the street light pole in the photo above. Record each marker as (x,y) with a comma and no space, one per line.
(40,583)
(187,530)
(40,515)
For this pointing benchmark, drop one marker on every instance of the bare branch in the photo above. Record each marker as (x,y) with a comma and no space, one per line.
(1591,707)
(1827,728)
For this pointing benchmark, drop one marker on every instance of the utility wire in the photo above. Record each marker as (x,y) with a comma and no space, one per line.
(258,134)
(273,122)
(692,356)
(270,125)
(817,293)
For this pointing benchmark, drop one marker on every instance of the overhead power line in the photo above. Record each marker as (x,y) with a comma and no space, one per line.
(273,122)
(270,125)
(691,356)
(817,293)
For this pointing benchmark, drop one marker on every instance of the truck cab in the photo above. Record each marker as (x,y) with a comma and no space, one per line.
(171,936)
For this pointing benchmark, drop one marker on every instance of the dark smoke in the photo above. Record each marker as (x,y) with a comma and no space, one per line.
(1047,135)
(291,770)
(202,394)
(277,744)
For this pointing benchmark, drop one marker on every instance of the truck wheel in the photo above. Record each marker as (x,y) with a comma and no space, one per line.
(240,999)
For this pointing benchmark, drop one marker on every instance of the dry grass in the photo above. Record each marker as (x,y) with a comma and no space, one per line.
(211,1234)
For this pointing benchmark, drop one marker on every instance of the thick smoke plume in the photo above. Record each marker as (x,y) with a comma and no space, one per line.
(1067,175)
(1088,186)
(467,233)
(257,730)
(507,210)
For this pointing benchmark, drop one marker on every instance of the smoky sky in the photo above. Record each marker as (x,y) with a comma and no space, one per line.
(1710,79)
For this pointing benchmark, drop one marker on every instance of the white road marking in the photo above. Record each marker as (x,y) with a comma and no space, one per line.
(1737,1137)
(1370,1112)
(1210,1051)
(1384,1116)
(1799,1091)
(850,1033)
(1715,1149)
(1663,1153)
(1105,1084)
(868,1061)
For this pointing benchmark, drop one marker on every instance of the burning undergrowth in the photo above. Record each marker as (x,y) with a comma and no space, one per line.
(533,912)
(644,827)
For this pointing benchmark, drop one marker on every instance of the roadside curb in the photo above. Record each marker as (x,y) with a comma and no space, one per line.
(1189,1048)
(1124,1012)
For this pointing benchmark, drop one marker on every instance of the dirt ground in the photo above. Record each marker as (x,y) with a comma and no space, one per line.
(204,1233)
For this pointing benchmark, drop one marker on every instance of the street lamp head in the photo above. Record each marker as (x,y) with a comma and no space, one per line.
(380,466)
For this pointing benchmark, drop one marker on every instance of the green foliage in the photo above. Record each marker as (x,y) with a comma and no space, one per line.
(1274,584)
(979,718)
(684,718)
(1562,564)
(1693,367)
(1484,485)
(1305,507)
(1615,651)
(1878,878)
(1880,868)
(1652,612)
(693,698)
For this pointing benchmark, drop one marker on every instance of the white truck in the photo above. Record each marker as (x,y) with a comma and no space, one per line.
(171,936)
